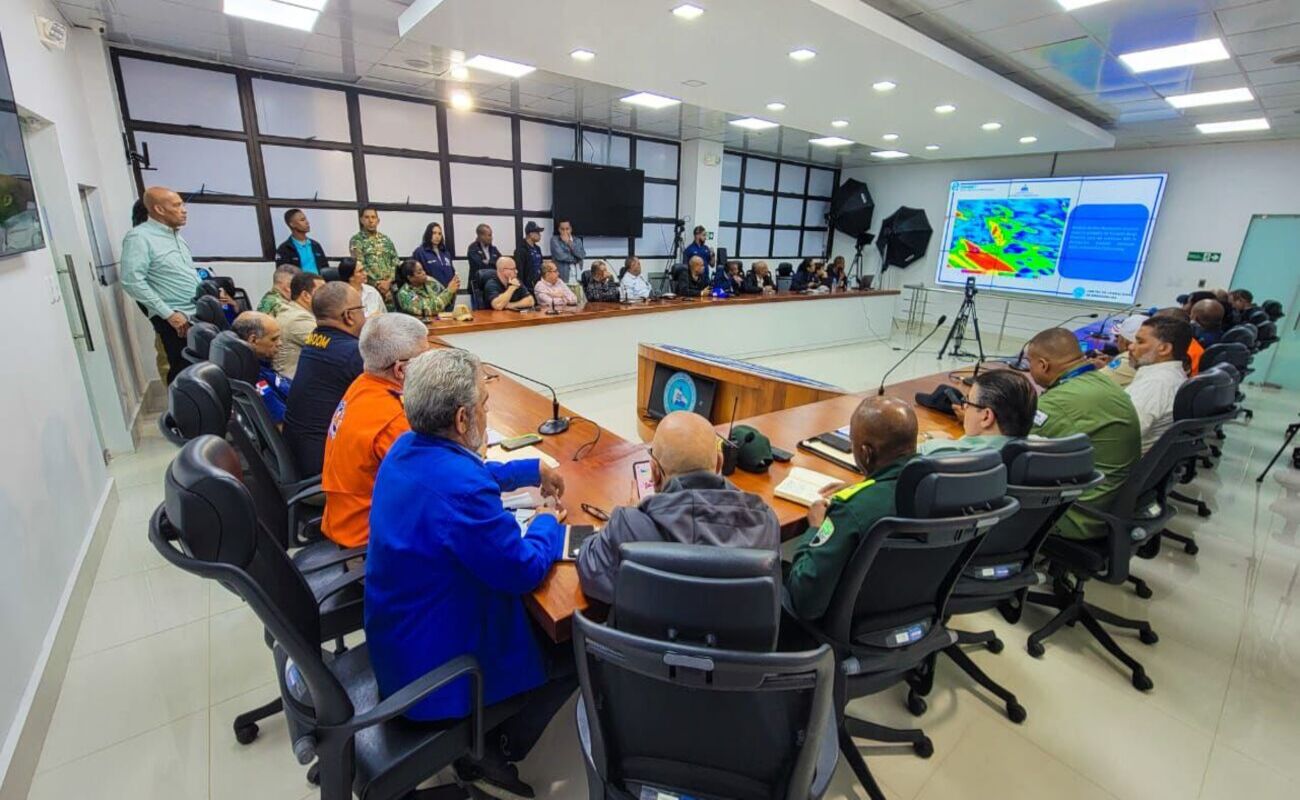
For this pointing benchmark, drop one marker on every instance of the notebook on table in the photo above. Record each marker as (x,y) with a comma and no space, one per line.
(804,486)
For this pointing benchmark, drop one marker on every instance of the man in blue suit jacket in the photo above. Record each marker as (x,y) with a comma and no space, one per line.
(447,567)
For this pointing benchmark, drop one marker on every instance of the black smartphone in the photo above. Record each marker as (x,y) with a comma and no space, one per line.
(574,536)
(837,441)
(781,455)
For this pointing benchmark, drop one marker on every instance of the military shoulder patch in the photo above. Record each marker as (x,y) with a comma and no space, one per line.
(848,491)
(1039,418)
(824,533)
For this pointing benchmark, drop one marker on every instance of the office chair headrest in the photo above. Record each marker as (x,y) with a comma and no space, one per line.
(207,288)
(199,339)
(1209,394)
(1267,331)
(1048,462)
(198,402)
(1224,367)
(1234,353)
(208,504)
(330,274)
(208,309)
(725,597)
(950,485)
(784,269)
(1245,333)
(1274,310)
(1256,316)
(235,357)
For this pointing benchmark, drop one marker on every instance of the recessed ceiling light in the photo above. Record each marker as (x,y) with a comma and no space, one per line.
(932,147)
(582,55)
(890,137)
(461,99)
(889,154)
(1180,55)
(1235,126)
(649,100)
(884,86)
(839,123)
(802,54)
(1070,5)
(273,12)
(500,66)
(753,124)
(776,106)
(1028,139)
(1197,99)
(946,108)
(459,72)
(687,11)
(992,126)
(830,141)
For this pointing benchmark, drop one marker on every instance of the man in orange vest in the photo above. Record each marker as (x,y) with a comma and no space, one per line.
(367,421)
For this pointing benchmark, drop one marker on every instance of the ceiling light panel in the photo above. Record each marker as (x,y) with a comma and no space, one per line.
(754,124)
(830,141)
(932,147)
(1028,139)
(1234,126)
(273,12)
(582,55)
(889,154)
(687,11)
(1198,99)
(649,100)
(992,126)
(946,108)
(500,66)
(776,106)
(1179,55)
(1070,5)
(890,137)
(803,54)
(884,86)
(839,123)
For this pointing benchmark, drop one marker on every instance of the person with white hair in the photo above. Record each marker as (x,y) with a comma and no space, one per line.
(448,568)
(367,421)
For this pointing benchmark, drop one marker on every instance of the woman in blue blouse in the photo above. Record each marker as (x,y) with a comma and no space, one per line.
(434,256)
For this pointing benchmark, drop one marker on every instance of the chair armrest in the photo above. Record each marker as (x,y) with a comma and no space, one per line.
(404,699)
(349,578)
(303,490)
(334,559)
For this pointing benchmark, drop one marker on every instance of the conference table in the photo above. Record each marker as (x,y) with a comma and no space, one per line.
(601,474)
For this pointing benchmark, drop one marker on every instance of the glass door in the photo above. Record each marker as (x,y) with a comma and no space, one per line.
(1266,267)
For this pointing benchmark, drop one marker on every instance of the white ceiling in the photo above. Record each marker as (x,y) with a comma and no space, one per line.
(1059,69)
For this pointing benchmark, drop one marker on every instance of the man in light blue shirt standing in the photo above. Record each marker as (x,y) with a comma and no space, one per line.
(158,272)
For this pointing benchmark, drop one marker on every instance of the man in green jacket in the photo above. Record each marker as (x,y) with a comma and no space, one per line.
(1078,399)
(158,272)
(883,435)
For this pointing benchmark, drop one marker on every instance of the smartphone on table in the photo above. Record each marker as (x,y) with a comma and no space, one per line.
(574,536)
(642,478)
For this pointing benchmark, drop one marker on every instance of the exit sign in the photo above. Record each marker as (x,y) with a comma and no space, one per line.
(1203,255)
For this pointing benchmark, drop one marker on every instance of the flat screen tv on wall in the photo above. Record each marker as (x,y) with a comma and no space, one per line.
(20,223)
(598,200)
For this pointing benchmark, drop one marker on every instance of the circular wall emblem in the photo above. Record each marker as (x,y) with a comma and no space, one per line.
(680,393)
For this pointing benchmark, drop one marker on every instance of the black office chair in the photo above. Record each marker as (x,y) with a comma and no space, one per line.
(1045,476)
(208,309)
(198,341)
(1273,309)
(1239,357)
(198,403)
(477,296)
(785,270)
(886,617)
(682,694)
(1267,334)
(296,496)
(1212,408)
(1256,316)
(1138,512)
(330,274)
(678,272)
(207,526)
(1242,333)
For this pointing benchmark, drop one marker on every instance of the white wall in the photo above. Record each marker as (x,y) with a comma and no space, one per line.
(1213,191)
(52,477)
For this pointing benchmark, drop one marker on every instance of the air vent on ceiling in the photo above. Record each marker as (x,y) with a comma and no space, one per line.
(1292,57)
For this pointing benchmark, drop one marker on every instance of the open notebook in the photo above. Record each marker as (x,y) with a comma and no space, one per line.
(804,486)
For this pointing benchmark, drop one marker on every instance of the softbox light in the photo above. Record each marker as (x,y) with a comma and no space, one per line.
(852,208)
(904,237)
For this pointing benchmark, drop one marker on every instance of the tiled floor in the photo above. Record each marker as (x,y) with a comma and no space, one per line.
(164,662)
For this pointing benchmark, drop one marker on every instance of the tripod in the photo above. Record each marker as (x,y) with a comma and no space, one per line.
(674,256)
(1291,431)
(854,275)
(957,333)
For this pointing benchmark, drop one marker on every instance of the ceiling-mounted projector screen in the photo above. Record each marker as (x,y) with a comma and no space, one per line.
(1082,238)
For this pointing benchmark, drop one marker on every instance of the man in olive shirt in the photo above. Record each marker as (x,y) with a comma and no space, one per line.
(296,322)
(278,296)
(883,434)
(158,272)
(1078,399)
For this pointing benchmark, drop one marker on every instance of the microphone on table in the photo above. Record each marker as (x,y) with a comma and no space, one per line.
(1020,358)
(909,353)
(556,424)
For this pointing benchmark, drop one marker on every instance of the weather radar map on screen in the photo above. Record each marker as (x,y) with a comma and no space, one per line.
(1079,238)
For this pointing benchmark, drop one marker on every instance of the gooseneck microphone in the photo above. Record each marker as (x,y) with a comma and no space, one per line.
(909,353)
(556,424)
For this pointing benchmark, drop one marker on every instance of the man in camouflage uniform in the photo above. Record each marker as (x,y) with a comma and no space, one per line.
(277,299)
(883,433)
(375,254)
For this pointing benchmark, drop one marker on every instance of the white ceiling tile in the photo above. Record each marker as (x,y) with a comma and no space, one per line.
(1269,39)
(984,15)
(1266,77)
(1278,89)
(1034,33)
(1264,60)
(1267,14)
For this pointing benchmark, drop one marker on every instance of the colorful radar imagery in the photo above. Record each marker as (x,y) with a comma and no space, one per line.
(1013,238)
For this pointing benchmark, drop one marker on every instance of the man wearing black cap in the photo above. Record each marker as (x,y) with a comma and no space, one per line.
(528,255)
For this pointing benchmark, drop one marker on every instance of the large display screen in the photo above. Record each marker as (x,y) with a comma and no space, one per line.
(598,200)
(1084,238)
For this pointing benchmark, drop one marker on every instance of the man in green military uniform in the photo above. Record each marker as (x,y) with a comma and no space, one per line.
(375,253)
(1078,399)
(277,298)
(883,435)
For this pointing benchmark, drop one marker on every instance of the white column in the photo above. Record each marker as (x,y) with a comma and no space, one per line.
(700,190)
